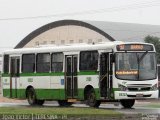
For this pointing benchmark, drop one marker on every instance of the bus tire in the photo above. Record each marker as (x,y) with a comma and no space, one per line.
(127,103)
(31,96)
(40,102)
(91,99)
(64,103)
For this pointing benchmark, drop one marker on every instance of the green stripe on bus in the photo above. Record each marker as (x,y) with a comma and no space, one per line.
(43,74)
(16,93)
(5,75)
(47,94)
(115,89)
(50,94)
(53,74)
(88,73)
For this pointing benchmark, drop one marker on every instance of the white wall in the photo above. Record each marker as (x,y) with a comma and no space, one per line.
(70,34)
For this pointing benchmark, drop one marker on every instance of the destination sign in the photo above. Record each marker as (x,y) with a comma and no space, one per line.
(134,47)
(126,72)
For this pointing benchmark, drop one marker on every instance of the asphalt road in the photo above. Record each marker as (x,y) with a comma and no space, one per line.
(138,107)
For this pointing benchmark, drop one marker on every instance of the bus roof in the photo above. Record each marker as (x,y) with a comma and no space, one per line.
(68,48)
(64,48)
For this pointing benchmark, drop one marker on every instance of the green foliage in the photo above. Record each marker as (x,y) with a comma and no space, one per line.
(156,42)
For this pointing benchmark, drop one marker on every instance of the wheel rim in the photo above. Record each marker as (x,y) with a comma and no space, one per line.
(91,99)
(31,97)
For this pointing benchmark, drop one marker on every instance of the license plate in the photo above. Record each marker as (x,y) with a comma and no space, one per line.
(139,95)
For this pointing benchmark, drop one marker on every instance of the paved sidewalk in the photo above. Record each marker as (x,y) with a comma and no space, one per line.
(148,101)
(8,100)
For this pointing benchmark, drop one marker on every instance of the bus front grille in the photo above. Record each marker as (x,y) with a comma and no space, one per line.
(136,96)
(139,89)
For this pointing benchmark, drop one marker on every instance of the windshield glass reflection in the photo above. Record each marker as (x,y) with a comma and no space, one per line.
(135,66)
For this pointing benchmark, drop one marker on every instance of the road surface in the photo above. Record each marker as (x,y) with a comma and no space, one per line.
(138,107)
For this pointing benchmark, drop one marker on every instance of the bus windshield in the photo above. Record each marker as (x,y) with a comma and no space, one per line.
(135,66)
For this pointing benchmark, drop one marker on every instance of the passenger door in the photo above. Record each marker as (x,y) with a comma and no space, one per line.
(14,77)
(105,75)
(71,82)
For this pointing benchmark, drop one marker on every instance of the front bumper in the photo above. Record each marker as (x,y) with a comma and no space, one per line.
(136,95)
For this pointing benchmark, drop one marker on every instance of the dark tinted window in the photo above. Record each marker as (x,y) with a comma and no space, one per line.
(6,64)
(15,62)
(158,72)
(28,63)
(88,60)
(43,62)
(57,62)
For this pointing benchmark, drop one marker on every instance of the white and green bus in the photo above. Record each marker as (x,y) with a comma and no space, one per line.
(112,71)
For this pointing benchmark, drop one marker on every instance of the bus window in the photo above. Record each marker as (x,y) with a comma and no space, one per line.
(6,64)
(89,60)
(136,66)
(43,62)
(57,62)
(28,63)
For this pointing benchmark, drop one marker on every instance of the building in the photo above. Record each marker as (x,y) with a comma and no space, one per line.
(65,32)
(74,32)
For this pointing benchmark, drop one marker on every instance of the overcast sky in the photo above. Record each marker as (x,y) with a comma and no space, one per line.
(18,18)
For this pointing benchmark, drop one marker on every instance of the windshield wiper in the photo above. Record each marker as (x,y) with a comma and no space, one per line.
(139,60)
(143,56)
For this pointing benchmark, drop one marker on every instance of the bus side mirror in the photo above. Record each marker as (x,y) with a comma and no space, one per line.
(112,58)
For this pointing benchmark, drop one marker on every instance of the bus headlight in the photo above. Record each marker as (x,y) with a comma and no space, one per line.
(122,88)
(154,87)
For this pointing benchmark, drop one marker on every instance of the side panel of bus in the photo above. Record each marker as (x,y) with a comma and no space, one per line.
(77,74)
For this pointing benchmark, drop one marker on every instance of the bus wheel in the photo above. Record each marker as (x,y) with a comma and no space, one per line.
(64,103)
(40,102)
(91,99)
(31,96)
(127,103)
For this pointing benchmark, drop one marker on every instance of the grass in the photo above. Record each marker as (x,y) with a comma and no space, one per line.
(58,110)
(153,105)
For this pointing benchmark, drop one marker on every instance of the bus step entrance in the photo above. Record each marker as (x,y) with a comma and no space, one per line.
(72,100)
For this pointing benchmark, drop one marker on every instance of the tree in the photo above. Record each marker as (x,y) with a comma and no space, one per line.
(156,42)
